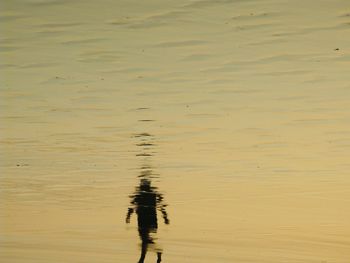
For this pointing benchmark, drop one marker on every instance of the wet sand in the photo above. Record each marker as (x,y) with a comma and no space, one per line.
(235,112)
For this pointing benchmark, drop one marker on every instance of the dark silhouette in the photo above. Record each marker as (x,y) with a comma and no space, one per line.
(147,200)
(145,203)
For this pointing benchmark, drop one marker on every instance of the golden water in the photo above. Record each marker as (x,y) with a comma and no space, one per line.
(235,111)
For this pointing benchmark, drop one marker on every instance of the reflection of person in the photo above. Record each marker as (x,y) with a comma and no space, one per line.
(145,202)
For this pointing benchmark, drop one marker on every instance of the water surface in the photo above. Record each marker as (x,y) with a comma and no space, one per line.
(231,116)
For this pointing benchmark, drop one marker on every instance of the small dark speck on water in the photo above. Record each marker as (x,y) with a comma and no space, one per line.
(145,144)
(144,154)
(25,164)
(336,49)
(144,134)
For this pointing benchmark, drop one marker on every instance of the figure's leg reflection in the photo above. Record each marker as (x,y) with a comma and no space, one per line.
(145,239)
(148,241)
(143,252)
(144,249)
(159,257)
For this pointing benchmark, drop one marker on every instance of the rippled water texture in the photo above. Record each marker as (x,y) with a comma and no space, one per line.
(175,131)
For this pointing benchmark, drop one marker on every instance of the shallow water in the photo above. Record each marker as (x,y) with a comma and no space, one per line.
(235,112)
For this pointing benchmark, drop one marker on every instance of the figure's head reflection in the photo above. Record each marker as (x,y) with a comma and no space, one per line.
(146,202)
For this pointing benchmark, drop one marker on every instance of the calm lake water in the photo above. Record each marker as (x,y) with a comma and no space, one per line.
(175,131)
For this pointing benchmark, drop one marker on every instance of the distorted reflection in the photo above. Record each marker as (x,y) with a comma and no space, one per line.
(145,203)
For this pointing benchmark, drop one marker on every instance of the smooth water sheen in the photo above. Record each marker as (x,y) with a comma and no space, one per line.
(178,131)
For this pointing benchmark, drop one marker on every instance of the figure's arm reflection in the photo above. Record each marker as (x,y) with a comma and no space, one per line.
(128,215)
(162,208)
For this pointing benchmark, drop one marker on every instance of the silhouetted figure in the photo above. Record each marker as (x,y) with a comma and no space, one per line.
(145,202)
